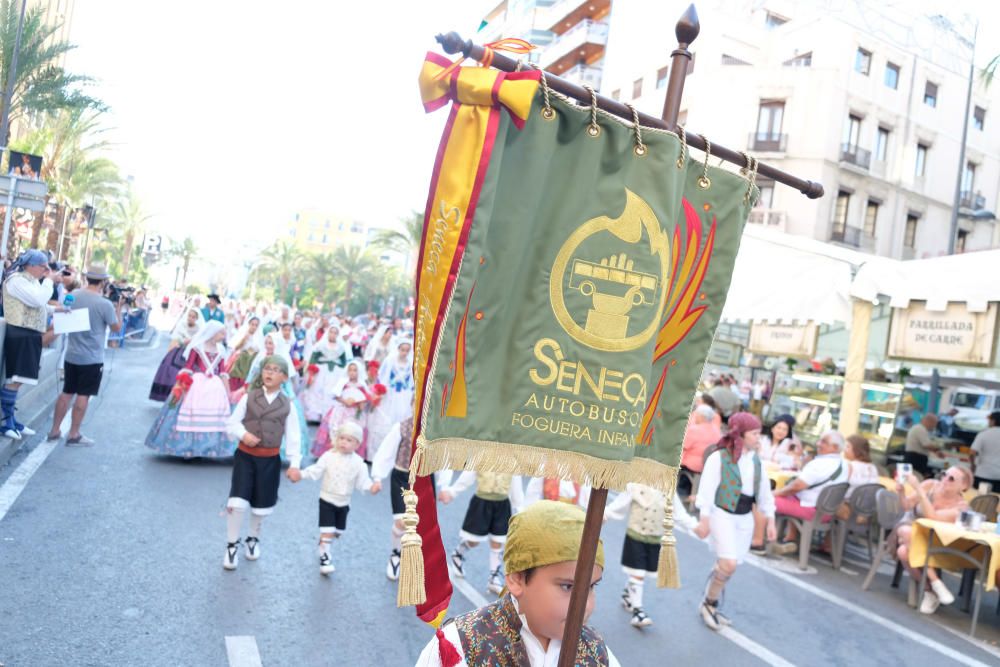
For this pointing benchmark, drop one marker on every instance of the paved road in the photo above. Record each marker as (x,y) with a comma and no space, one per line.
(112,556)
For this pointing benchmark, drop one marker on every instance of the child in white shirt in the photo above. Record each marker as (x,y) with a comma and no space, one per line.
(342,471)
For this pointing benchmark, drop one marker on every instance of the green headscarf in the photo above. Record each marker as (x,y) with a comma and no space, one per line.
(545,533)
(277,360)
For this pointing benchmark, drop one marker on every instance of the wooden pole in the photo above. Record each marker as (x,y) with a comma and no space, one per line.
(686,30)
(581,579)
(857,355)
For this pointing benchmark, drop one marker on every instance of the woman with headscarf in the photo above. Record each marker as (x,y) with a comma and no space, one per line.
(378,346)
(247,344)
(269,349)
(396,373)
(173,361)
(350,404)
(324,370)
(732,482)
(193,422)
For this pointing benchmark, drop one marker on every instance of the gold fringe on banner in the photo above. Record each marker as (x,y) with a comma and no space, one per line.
(531,461)
(668,574)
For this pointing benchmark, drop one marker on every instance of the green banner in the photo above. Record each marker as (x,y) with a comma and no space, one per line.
(580,251)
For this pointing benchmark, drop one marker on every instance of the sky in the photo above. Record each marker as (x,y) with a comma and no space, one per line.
(230,116)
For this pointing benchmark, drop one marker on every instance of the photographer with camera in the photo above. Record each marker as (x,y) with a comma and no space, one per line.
(85,355)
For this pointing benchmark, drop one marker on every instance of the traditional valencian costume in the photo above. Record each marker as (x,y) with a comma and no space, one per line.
(349,405)
(324,370)
(193,422)
(396,373)
(173,360)
(257,469)
(254,379)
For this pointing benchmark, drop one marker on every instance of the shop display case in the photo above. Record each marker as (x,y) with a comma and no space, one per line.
(814,401)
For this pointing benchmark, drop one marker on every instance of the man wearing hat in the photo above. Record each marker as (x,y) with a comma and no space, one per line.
(85,355)
(25,300)
(213,311)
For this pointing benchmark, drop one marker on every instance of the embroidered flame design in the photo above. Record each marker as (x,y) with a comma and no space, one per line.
(456,401)
(686,278)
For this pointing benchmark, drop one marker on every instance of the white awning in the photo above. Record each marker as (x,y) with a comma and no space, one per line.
(972,278)
(781,278)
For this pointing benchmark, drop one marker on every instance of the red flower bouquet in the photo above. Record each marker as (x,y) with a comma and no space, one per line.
(181,386)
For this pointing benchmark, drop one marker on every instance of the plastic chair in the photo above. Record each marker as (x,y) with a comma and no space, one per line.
(986,505)
(830,499)
(888,512)
(862,506)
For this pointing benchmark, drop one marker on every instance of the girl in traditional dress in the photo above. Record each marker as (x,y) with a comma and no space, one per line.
(378,346)
(246,346)
(270,349)
(194,425)
(396,374)
(173,361)
(378,421)
(732,482)
(350,399)
(323,373)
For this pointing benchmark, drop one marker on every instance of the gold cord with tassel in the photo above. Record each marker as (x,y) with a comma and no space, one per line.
(667,569)
(412,589)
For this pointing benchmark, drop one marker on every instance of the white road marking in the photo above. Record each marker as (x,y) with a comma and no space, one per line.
(752,647)
(978,643)
(242,652)
(18,480)
(871,616)
(468,590)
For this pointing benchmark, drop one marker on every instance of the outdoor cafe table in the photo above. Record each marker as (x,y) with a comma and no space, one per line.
(780,477)
(890,483)
(952,547)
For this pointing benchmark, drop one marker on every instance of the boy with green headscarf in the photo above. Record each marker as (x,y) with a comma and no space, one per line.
(260,421)
(525,626)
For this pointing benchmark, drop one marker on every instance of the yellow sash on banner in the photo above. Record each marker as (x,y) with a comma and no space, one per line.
(478,94)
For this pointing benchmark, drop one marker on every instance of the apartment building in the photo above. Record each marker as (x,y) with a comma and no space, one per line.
(572,34)
(318,231)
(867,99)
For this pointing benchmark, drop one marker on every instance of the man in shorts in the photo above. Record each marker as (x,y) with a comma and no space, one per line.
(85,355)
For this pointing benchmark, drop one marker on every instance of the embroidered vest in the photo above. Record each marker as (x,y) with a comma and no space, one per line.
(17,312)
(267,420)
(491,637)
(731,482)
(493,486)
(405,444)
(645,517)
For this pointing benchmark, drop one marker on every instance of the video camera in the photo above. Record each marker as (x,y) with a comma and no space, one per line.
(125,294)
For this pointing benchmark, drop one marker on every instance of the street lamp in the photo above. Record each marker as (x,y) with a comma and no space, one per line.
(953,230)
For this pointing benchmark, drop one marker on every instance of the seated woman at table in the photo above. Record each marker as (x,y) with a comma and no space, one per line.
(780,446)
(940,500)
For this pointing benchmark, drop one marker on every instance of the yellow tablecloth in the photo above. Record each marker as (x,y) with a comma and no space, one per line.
(890,483)
(780,477)
(955,537)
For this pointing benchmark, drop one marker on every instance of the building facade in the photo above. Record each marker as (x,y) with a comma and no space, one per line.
(864,100)
(321,232)
(572,34)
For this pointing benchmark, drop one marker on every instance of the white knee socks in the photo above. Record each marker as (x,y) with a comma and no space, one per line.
(496,558)
(255,521)
(324,545)
(234,522)
(634,588)
(397,537)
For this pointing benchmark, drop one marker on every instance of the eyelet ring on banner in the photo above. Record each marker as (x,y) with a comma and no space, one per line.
(704,182)
(593,129)
(682,159)
(640,148)
(548,113)
(745,169)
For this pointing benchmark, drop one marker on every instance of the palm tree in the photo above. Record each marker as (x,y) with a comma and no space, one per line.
(40,83)
(128,222)
(404,241)
(186,251)
(354,265)
(282,259)
(318,266)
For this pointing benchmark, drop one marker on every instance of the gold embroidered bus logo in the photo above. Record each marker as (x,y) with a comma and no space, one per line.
(607,285)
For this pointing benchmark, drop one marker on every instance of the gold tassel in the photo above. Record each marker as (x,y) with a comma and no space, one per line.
(411,590)
(668,573)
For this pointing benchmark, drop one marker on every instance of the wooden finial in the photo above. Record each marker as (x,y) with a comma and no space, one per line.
(688,27)
(453,43)
(813,190)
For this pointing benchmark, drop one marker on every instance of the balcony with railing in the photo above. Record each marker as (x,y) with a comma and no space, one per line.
(847,235)
(769,218)
(584,74)
(564,14)
(972,201)
(855,155)
(767,142)
(584,42)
